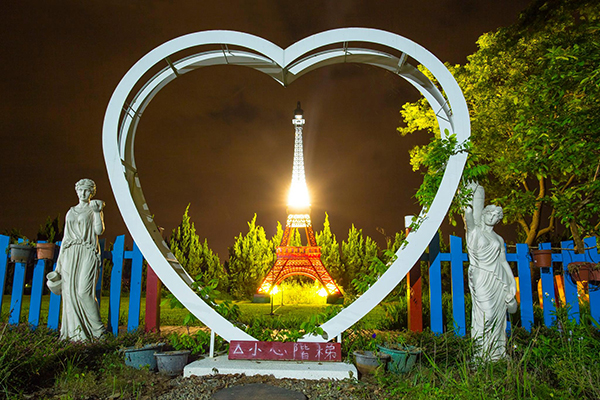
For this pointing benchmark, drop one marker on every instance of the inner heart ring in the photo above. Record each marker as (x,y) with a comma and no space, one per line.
(284,65)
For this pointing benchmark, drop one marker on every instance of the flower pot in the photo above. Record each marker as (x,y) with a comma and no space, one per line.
(542,258)
(45,251)
(20,252)
(583,271)
(172,362)
(402,359)
(142,357)
(368,361)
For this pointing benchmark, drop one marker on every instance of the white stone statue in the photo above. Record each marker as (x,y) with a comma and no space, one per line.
(491,280)
(78,266)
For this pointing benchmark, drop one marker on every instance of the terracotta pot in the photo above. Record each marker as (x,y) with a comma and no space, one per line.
(582,271)
(45,251)
(542,258)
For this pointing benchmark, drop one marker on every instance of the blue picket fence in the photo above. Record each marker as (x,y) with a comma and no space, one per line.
(522,258)
(456,257)
(118,255)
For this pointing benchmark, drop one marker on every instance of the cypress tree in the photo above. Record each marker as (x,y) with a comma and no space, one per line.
(249,260)
(194,256)
(330,252)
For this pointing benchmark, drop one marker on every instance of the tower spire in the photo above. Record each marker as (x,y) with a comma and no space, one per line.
(298,200)
(298,260)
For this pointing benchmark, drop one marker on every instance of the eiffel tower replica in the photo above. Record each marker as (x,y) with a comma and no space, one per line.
(299,260)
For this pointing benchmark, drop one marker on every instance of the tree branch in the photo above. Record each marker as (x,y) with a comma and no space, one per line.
(597,170)
(567,184)
(535,218)
(521,221)
(550,226)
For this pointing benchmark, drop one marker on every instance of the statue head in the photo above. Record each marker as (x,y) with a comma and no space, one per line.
(492,214)
(86,184)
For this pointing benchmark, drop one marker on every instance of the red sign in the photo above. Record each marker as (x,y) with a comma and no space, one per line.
(284,351)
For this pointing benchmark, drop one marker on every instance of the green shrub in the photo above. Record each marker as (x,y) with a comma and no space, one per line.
(198,343)
(299,292)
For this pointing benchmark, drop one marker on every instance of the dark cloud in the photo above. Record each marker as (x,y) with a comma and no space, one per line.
(236,109)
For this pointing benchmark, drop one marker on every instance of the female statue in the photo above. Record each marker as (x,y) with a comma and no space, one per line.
(491,280)
(78,266)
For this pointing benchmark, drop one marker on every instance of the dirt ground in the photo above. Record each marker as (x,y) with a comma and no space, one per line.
(204,387)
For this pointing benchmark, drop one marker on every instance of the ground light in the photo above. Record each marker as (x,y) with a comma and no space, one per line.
(272,293)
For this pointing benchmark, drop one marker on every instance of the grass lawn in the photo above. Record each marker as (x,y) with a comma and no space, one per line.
(546,363)
(174,316)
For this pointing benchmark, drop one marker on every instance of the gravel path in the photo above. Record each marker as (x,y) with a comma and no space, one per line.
(202,388)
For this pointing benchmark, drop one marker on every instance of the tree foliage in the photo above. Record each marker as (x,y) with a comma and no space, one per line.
(432,158)
(278,236)
(51,230)
(295,237)
(200,262)
(533,91)
(330,252)
(357,255)
(249,260)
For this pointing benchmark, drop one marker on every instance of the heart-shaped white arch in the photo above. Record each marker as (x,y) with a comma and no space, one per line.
(125,110)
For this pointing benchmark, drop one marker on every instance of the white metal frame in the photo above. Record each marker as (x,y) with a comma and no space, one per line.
(284,65)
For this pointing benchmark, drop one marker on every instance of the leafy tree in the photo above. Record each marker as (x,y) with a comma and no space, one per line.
(533,91)
(357,255)
(15,234)
(295,237)
(432,158)
(195,257)
(393,246)
(249,260)
(278,235)
(276,241)
(376,266)
(211,266)
(373,272)
(51,230)
(330,251)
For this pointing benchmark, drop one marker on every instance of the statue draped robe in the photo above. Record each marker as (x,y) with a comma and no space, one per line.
(79,264)
(492,290)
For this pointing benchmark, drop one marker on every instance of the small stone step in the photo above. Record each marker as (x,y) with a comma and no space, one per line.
(257,391)
(279,369)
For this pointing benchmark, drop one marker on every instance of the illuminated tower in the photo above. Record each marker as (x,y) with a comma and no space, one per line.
(299,260)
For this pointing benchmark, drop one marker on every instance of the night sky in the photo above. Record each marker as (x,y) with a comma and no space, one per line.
(219,138)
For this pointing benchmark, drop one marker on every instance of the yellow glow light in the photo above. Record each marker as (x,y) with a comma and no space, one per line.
(275,290)
(332,288)
(298,196)
(264,288)
(322,292)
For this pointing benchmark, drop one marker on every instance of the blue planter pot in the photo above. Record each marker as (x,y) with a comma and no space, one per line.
(402,359)
(142,357)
